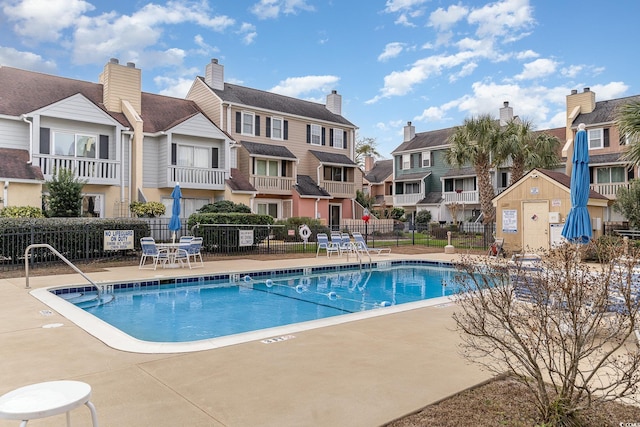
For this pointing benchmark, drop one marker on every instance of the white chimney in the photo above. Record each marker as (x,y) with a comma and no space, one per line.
(334,103)
(214,75)
(506,114)
(409,132)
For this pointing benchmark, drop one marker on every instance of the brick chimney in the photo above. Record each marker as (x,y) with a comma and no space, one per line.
(121,83)
(409,132)
(368,163)
(214,75)
(506,114)
(334,102)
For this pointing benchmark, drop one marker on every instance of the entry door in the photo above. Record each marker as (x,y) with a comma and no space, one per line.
(535,226)
(335,213)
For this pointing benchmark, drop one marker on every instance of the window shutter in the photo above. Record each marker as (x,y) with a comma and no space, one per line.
(256,132)
(283,168)
(330,137)
(174,154)
(267,129)
(344,139)
(45,141)
(214,157)
(308,134)
(606,137)
(285,130)
(104,146)
(324,136)
(238,122)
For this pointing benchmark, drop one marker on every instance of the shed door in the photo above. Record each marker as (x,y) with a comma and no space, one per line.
(535,226)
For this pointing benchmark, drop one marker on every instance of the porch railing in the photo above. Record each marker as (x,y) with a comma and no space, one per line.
(339,189)
(272,184)
(211,179)
(466,197)
(609,190)
(94,171)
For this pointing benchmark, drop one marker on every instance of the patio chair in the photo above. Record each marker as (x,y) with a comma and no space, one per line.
(193,252)
(345,243)
(323,243)
(151,251)
(361,244)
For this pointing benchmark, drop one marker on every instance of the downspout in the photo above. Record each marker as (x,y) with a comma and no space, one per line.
(317,215)
(24,119)
(129,174)
(5,195)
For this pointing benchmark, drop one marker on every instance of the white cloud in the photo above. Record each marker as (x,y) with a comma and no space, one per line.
(431,114)
(466,70)
(248,32)
(297,86)
(507,18)
(271,9)
(527,54)
(109,34)
(205,49)
(444,19)
(572,70)
(176,87)
(404,21)
(539,68)
(43,20)
(25,60)
(610,90)
(391,50)
(393,6)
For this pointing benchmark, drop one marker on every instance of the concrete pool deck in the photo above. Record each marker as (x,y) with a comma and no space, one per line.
(362,373)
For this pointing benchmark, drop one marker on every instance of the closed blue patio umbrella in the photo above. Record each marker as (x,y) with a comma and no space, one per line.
(577,228)
(174,223)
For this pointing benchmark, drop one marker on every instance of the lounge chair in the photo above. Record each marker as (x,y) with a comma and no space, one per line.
(150,250)
(361,244)
(193,251)
(323,243)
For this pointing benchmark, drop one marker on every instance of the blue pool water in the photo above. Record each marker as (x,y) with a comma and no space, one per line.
(200,309)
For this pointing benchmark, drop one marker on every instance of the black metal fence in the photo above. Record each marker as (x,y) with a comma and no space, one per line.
(236,240)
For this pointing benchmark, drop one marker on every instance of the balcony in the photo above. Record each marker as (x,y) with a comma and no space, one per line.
(407,199)
(272,184)
(93,171)
(197,178)
(339,189)
(609,190)
(463,197)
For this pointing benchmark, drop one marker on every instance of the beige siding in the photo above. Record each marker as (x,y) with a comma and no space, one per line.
(206,100)
(121,82)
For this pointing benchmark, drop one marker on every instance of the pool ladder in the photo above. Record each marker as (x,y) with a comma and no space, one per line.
(62,257)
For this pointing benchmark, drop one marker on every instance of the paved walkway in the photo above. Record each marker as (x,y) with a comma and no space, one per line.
(362,373)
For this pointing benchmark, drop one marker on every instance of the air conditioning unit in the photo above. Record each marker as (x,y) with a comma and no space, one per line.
(554,217)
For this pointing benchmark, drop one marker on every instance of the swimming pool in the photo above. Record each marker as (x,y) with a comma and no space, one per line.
(183,314)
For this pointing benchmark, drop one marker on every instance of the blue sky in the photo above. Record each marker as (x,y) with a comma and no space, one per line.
(431,62)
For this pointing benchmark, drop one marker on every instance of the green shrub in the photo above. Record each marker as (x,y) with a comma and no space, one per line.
(147,209)
(226,239)
(21,212)
(293,223)
(225,206)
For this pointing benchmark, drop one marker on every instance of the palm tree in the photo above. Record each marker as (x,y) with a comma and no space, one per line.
(473,143)
(365,147)
(527,149)
(628,122)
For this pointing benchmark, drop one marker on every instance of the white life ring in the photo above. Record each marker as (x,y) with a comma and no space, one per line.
(304,231)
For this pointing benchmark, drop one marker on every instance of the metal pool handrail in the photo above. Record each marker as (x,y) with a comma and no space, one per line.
(62,257)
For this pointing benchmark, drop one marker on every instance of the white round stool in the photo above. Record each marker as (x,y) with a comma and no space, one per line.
(43,400)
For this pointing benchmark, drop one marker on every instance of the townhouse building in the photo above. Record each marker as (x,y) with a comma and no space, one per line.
(297,155)
(378,181)
(125,144)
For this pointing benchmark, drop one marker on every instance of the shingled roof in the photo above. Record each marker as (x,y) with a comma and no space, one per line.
(238,182)
(271,101)
(267,150)
(434,138)
(14,166)
(306,186)
(334,158)
(380,171)
(604,111)
(565,180)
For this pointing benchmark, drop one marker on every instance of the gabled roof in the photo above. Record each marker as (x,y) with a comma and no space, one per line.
(412,176)
(268,150)
(434,138)
(271,101)
(433,198)
(468,171)
(161,113)
(14,166)
(380,171)
(305,186)
(332,158)
(239,183)
(604,111)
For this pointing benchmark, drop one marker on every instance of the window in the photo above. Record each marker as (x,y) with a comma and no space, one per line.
(316,135)
(596,139)
(338,136)
(276,128)
(406,161)
(187,206)
(610,175)
(426,159)
(247,123)
(267,167)
(74,145)
(412,188)
(267,208)
(334,173)
(191,156)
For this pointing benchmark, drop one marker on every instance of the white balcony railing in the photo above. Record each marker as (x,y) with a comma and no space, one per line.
(272,184)
(94,171)
(609,190)
(339,189)
(203,178)
(464,197)
(407,199)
